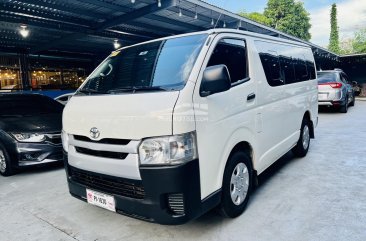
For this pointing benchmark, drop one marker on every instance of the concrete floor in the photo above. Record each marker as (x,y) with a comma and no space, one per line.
(319,197)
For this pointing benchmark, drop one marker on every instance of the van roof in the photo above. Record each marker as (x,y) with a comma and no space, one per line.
(226,30)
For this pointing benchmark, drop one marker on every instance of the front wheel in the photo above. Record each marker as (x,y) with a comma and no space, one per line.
(236,186)
(5,165)
(303,144)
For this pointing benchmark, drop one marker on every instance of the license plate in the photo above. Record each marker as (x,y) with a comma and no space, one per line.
(322,96)
(101,200)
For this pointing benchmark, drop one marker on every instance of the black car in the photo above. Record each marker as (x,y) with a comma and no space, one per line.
(30,131)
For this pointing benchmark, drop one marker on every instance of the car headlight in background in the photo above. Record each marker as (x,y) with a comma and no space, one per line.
(65,140)
(29,137)
(168,150)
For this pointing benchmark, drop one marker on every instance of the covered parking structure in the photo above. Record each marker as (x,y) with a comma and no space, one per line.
(82,32)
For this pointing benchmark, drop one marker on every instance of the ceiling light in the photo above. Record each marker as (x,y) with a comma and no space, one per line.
(212,22)
(196,15)
(133,1)
(116,44)
(180,13)
(24,31)
(224,25)
(159,3)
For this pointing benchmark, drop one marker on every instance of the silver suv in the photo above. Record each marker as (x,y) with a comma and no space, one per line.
(335,90)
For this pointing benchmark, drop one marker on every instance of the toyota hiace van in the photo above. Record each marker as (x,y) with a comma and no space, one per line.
(168,129)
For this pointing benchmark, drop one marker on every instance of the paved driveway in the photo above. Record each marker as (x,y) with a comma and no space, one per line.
(319,197)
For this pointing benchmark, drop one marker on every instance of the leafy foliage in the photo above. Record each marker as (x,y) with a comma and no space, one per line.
(257,17)
(289,16)
(334,31)
(359,42)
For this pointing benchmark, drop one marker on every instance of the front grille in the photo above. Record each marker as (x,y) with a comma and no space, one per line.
(103,141)
(108,184)
(106,154)
(176,203)
(55,140)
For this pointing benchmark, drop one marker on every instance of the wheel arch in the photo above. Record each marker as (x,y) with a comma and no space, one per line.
(307,115)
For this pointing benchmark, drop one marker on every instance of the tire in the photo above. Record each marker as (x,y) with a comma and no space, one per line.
(303,144)
(5,166)
(233,203)
(353,101)
(344,108)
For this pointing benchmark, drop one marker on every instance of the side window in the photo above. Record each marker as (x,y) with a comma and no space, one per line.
(310,64)
(232,53)
(272,69)
(287,69)
(301,71)
(344,78)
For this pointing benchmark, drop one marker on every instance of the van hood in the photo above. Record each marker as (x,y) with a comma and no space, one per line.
(130,116)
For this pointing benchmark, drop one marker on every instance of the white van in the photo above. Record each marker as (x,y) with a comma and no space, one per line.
(168,129)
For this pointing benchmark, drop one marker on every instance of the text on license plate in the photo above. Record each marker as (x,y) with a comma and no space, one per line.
(101,200)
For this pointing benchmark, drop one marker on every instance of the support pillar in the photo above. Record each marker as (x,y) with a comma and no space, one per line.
(24,71)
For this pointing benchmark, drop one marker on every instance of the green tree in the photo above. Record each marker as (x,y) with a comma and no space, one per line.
(359,42)
(257,17)
(289,16)
(334,31)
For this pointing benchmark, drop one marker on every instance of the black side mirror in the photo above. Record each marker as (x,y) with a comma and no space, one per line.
(215,79)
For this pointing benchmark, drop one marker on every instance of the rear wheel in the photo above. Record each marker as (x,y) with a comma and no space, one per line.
(344,108)
(5,166)
(303,144)
(236,185)
(353,101)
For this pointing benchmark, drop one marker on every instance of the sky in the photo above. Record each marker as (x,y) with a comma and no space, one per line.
(351,15)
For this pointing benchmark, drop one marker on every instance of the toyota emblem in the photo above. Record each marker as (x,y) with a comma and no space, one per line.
(94,133)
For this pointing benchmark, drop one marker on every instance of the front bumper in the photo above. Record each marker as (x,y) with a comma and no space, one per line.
(165,195)
(30,154)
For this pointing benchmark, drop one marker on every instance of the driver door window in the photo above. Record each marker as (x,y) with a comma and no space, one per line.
(232,53)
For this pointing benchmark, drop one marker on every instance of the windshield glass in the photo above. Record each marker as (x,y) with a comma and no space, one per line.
(21,105)
(159,65)
(327,77)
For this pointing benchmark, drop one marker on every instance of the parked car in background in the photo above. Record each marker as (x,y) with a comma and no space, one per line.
(63,99)
(9,88)
(30,128)
(335,90)
(356,88)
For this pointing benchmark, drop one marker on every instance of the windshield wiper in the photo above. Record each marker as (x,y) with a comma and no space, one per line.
(91,91)
(133,89)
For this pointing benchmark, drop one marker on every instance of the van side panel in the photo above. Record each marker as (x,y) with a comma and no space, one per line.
(283,98)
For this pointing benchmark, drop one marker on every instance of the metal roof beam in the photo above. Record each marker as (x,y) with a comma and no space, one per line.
(124,9)
(135,14)
(64,8)
(41,14)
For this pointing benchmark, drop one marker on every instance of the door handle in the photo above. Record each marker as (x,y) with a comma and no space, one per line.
(251,97)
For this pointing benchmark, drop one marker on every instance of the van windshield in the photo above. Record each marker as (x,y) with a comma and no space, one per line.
(157,66)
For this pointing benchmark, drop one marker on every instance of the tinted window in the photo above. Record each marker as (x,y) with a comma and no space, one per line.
(232,53)
(287,69)
(301,71)
(28,105)
(271,63)
(165,64)
(326,77)
(296,64)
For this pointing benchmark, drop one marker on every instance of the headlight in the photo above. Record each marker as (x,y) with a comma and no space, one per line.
(168,150)
(29,137)
(65,141)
